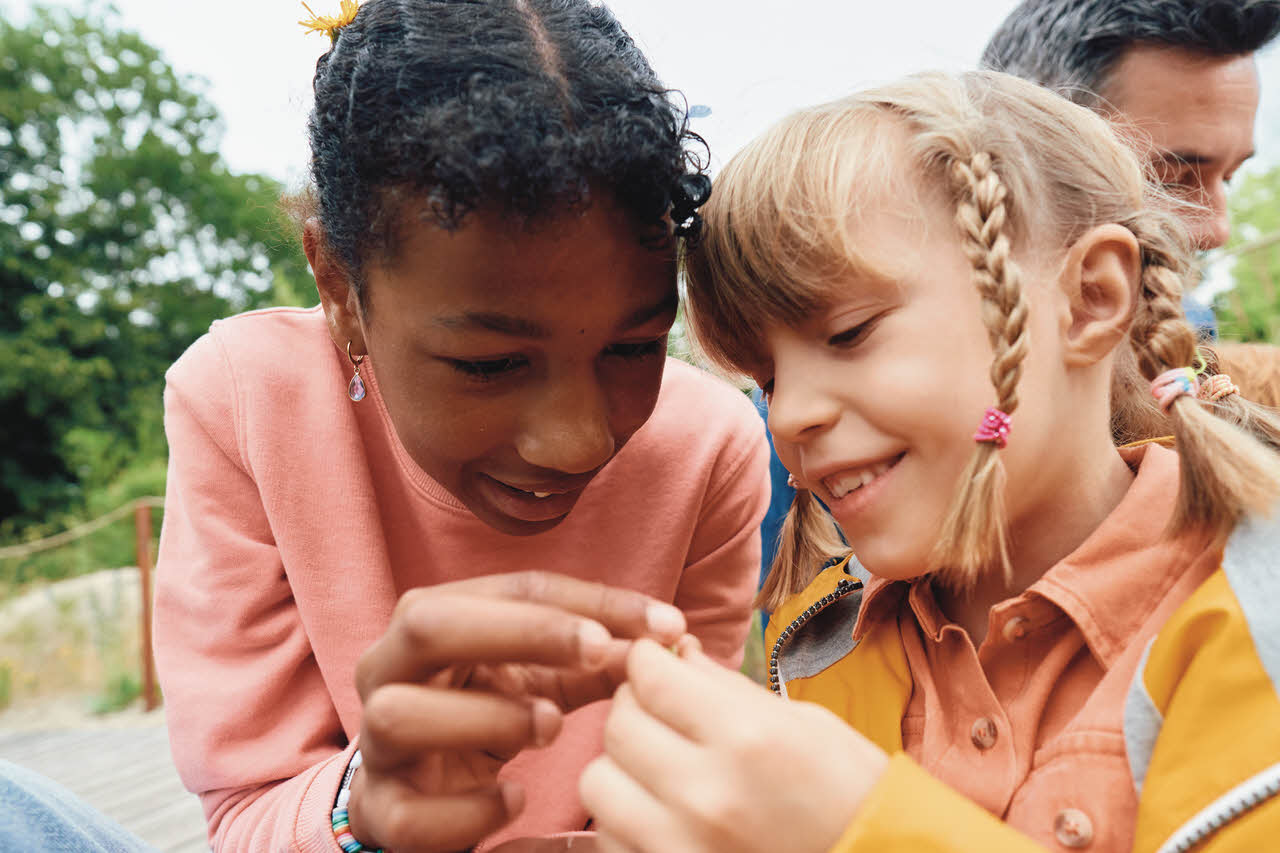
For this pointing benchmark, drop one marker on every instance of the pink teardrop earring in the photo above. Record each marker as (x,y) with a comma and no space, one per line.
(356,389)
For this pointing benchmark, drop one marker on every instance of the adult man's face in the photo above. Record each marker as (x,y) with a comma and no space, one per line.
(1197,112)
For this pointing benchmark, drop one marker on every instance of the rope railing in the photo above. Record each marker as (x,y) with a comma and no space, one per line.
(26,549)
(140,508)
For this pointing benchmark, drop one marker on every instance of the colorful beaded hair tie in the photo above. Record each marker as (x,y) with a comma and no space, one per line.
(1216,387)
(994,427)
(1172,384)
(331,24)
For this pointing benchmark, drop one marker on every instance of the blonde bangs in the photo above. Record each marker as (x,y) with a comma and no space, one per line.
(778,234)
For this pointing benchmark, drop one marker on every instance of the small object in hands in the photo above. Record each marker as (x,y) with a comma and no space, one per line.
(355,390)
(994,427)
(330,25)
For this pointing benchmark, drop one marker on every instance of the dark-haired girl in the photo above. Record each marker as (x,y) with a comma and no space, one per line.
(410,531)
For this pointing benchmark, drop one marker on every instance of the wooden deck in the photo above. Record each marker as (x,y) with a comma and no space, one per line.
(126,773)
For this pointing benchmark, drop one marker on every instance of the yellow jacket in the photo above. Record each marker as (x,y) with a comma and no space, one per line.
(1201,723)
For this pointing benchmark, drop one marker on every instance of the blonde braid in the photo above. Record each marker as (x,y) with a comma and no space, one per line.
(1228,465)
(807,541)
(974,534)
(1161,336)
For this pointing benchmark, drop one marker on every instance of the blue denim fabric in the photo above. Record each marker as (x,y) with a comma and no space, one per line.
(1201,317)
(37,814)
(779,500)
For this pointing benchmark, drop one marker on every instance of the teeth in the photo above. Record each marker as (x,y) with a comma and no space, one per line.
(541,494)
(850,481)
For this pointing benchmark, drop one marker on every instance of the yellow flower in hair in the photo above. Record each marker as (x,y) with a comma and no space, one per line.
(331,24)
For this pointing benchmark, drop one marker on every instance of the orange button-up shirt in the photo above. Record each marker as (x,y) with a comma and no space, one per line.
(1030,724)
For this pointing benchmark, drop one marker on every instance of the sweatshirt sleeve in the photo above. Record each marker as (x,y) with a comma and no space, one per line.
(909,810)
(719,581)
(252,725)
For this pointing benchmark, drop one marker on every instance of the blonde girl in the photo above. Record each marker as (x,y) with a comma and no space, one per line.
(963,301)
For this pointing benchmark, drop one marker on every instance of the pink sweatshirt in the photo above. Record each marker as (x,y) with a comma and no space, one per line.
(295,519)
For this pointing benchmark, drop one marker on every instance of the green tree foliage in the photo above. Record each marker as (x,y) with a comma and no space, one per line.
(1250,310)
(123,234)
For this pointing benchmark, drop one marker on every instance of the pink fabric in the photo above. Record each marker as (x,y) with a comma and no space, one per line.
(294,519)
(1054,670)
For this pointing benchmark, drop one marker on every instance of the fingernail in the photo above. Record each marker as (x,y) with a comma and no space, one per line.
(593,642)
(512,797)
(664,620)
(546,721)
(687,645)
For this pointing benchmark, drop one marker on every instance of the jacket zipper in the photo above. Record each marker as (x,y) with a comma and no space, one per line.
(843,588)
(1246,796)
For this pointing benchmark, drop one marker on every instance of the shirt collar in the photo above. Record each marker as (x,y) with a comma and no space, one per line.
(1106,586)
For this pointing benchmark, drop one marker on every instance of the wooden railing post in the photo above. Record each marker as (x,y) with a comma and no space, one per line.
(142,544)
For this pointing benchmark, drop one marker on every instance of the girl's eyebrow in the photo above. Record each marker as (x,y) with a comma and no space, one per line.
(491,321)
(521,327)
(667,305)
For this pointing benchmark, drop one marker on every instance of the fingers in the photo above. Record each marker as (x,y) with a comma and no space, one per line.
(626,815)
(387,813)
(402,721)
(625,612)
(647,750)
(606,843)
(574,688)
(691,694)
(432,631)
(530,617)
(576,843)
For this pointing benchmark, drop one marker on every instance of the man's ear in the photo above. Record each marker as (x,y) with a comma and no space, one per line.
(337,296)
(1100,277)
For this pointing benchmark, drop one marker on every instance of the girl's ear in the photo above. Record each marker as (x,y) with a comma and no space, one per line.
(337,296)
(1100,277)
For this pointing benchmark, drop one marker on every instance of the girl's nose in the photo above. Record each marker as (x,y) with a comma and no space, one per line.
(800,406)
(568,429)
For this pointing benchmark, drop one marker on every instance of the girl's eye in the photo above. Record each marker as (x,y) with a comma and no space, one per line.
(489,369)
(849,337)
(638,350)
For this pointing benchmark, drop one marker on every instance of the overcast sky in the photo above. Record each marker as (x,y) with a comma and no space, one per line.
(751,61)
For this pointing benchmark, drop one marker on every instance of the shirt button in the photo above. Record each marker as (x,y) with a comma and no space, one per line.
(1015,629)
(1073,828)
(983,733)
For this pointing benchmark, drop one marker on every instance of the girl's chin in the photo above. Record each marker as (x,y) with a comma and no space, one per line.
(894,566)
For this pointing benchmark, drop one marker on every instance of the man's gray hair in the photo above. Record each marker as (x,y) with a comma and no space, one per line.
(1071,46)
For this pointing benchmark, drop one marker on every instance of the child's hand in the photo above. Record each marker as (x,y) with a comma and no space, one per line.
(576,843)
(698,758)
(467,675)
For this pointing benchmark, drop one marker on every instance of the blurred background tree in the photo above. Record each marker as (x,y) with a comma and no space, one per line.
(122,236)
(1250,310)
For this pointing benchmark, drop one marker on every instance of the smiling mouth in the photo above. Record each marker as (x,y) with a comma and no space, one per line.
(851,480)
(530,502)
(534,492)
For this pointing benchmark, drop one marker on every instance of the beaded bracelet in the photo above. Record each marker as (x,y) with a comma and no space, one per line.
(341,826)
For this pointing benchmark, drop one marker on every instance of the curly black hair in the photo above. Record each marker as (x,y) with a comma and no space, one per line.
(528,106)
